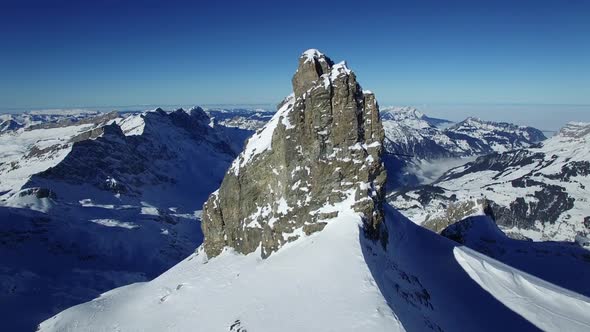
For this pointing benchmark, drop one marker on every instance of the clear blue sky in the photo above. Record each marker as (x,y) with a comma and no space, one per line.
(114,52)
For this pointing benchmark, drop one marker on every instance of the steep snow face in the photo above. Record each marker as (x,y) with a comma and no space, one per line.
(548,307)
(540,192)
(536,292)
(132,125)
(335,280)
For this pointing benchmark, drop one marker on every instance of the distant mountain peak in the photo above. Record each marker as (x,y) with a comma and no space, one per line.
(575,130)
(403,112)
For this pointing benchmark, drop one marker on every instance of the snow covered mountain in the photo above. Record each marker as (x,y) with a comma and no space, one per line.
(414,142)
(38,147)
(539,192)
(15,121)
(299,238)
(94,204)
(240,118)
(409,131)
(239,124)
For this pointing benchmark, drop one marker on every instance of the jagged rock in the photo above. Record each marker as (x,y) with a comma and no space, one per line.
(322,147)
(108,159)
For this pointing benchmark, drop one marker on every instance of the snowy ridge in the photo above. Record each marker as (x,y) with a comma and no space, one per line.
(549,307)
(234,289)
(49,117)
(411,286)
(262,139)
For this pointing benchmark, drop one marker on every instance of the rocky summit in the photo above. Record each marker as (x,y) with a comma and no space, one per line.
(320,150)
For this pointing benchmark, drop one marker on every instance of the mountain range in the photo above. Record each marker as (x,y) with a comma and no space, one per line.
(320,216)
(299,236)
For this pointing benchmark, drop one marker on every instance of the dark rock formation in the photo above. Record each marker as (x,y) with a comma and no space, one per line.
(323,147)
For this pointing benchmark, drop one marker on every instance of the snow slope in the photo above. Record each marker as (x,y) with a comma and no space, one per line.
(250,293)
(549,307)
(333,280)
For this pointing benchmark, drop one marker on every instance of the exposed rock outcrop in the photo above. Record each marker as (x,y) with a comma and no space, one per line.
(322,148)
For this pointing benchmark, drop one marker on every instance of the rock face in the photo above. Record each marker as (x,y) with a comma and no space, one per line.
(322,148)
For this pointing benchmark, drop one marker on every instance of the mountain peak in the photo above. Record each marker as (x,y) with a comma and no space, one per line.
(312,54)
(403,112)
(575,130)
(320,150)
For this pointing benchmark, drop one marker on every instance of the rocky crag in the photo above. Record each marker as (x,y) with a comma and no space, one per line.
(322,148)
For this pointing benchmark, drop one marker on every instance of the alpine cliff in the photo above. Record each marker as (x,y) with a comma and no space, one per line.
(323,146)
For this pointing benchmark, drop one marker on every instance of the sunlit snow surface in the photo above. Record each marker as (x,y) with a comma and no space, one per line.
(549,307)
(336,280)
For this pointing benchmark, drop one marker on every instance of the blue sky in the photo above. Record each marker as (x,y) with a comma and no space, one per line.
(114,52)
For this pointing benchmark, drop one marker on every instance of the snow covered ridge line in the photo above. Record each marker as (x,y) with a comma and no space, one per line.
(547,306)
(331,280)
(64,111)
(261,141)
